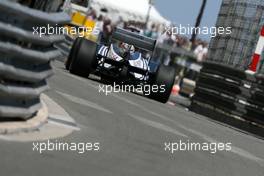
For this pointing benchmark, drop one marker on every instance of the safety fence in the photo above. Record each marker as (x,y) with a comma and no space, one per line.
(25,62)
(245,17)
(230,95)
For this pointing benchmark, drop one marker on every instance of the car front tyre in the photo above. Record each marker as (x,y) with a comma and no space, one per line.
(74,48)
(84,60)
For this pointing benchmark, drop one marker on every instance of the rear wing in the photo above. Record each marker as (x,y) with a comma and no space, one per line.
(134,39)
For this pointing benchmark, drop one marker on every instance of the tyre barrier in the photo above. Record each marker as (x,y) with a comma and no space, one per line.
(65,47)
(260,80)
(231,96)
(26,58)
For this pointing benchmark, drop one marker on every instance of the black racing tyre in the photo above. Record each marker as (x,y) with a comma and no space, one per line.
(84,60)
(164,77)
(75,45)
(72,53)
(124,73)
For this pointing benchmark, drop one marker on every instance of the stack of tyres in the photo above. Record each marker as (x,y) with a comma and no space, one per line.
(230,96)
(224,90)
(222,87)
(25,62)
(256,111)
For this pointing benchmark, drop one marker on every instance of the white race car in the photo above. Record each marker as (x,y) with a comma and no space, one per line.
(126,59)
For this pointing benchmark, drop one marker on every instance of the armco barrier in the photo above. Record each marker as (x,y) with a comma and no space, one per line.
(230,95)
(26,57)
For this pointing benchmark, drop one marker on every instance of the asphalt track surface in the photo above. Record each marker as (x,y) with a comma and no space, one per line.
(132,130)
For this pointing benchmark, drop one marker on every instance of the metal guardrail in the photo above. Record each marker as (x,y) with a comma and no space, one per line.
(25,62)
(231,93)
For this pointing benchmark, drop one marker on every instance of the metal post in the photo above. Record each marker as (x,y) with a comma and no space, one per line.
(258,52)
(198,22)
(148,13)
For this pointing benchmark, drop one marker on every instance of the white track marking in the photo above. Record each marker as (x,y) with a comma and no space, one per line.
(235,150)
(84,80)
(63,125)
(157,125)
(62,118)
(84,102)
(4,137)
(62,121)
(124,99)
(163,127)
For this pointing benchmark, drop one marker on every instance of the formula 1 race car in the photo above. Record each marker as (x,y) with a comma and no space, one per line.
(126,59)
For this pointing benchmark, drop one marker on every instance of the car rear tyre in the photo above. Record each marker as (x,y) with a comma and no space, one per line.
(164,79)
(84,60)
(75,46)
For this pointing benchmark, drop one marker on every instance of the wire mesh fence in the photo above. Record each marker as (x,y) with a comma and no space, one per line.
(246,17)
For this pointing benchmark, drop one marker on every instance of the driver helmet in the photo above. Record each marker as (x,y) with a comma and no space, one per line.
(125,48)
